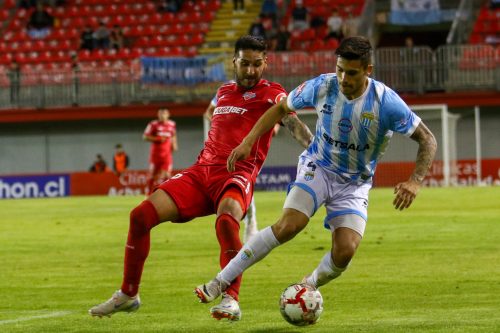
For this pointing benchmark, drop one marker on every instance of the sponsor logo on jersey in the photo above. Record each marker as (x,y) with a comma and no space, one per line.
(229,109)
(366,119)
(345,145)
(327,109)
(308,176)
(248,95)
(345,125)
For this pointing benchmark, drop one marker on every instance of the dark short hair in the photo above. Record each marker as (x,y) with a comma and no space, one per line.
(356,48)
(250,43)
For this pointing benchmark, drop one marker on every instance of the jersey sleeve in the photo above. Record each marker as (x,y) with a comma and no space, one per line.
(400,118)
(305,95)
(174,128)
(149,129)
(275,94)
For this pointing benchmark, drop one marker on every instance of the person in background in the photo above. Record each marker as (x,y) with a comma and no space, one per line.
(116,37)
(14,75)
(335,25)
(40,22)
(120,160)
(280,41)
(238,6)
(101,36)
(300,17)
(87,38)
(99,165)
(257,28)
(269,9)
(162,134)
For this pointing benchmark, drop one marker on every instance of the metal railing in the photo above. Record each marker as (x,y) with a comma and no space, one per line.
(449,68)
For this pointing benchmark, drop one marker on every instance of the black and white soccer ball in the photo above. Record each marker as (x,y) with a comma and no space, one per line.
(301,305)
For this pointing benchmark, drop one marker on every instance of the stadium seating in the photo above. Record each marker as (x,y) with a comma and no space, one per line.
(147,31)
(486,27)
(308,39)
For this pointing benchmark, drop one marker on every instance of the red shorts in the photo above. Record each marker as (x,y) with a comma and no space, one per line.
(197,190)
(157,163)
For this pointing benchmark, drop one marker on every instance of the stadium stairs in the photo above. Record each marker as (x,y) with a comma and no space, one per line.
(228,26)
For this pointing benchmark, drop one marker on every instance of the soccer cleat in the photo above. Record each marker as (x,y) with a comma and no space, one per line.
(210,291)
(228,309)
(250,230)
(119,302)
(308,281)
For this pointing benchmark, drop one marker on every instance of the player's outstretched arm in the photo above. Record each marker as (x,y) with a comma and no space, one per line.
(264,124)
(297,129)
(427,145)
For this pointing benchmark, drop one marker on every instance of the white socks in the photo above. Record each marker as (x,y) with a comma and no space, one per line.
(257,248)
(325,272)
(260,245)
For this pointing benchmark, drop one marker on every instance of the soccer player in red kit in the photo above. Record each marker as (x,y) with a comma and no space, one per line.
(207,187)
(162,135)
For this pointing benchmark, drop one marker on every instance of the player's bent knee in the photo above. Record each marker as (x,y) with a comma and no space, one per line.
(289,225)
(143,218)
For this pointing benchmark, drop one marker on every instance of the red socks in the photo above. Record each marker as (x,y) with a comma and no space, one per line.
(228,234)
(142,219)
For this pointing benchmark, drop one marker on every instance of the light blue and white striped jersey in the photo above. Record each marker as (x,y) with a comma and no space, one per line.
(352,135)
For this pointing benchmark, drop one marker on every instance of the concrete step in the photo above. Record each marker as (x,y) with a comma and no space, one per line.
(215,50)
(232,23)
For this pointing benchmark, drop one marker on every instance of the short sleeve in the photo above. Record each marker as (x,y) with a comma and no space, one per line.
(400,118)
(305,95)
(149,129)
(275,93)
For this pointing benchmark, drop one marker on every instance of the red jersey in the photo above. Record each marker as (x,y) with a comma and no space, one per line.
(236,112)
(162,129)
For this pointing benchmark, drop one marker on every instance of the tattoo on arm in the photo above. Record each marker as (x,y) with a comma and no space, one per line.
(427,146)
(298,129)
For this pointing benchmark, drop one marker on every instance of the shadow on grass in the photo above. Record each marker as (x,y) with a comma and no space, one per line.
(291,329)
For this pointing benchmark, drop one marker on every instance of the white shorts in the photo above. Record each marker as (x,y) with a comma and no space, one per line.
(339,195)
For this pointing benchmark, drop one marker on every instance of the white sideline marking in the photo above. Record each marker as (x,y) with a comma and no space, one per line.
(48,315)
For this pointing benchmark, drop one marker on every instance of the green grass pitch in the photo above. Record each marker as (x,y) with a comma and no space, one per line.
(432,268)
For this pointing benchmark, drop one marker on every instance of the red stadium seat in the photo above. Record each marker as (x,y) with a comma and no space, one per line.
(317,45)
(479,57)
(332,44)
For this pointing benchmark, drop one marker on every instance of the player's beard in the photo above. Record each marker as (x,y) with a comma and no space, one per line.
(247,82)
(350,90)
(346,89)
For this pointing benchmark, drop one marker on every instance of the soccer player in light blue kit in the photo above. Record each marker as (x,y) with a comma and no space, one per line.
(356,118)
